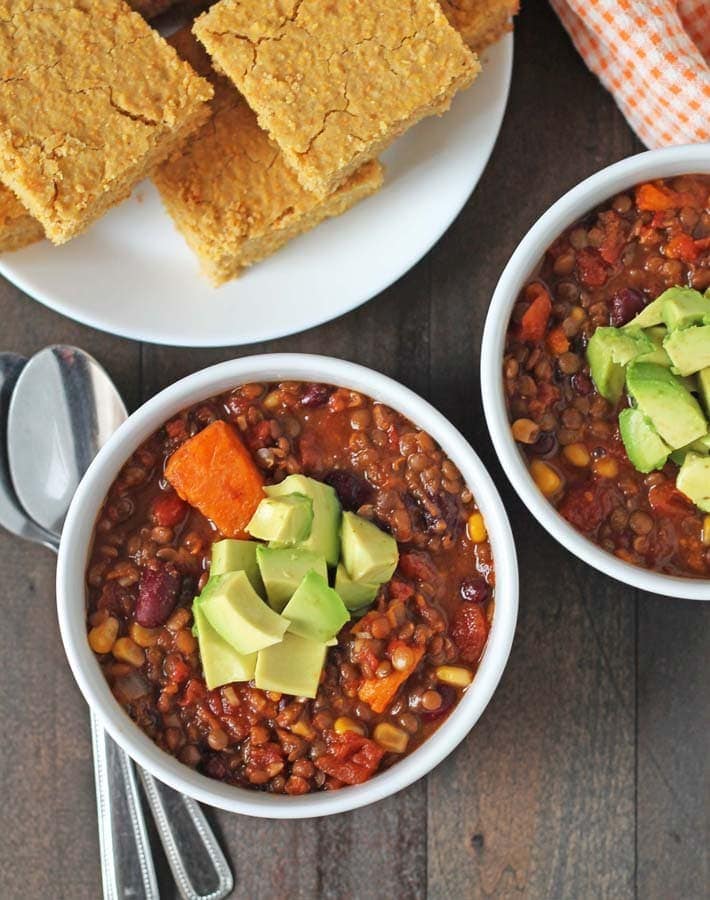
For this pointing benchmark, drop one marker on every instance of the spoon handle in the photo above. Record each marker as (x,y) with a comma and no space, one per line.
(198,865)
(126,861)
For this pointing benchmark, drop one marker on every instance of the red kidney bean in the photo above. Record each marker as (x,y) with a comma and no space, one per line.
(353,491)
(316,395)
(157,595)
(475,589)
(448,698)
(624,305)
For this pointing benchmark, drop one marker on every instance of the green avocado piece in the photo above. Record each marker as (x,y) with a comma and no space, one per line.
(369,554)
(672,409)
(694,480)
(683,306)
(689,349)
(237,556)
(239,615)
(293,666)
(643,446)
(354,594)
(324,537)
(315,611)
(704,387)
(608,351)
(658,355)
(701,446)
(650,315)
(284,520)
(221,663)
(284,568)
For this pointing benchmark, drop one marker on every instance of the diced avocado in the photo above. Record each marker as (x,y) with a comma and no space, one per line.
(315,611)
(704,387)
(239,615)
(701,446)
(689,349)
(221,663)
(283,520)
(682,306)
(650,315)
(673,410)
(369,554)
(608,351)
(644,447)
(284,568)
(292,666)
(694,480)
(354,594)
(658,355)
(237,556)
(325,531)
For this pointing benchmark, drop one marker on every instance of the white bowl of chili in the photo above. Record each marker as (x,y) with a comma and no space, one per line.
(524,266)
(72,591)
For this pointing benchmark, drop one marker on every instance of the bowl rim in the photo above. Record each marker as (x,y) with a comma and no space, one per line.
(73,557)
(595,189)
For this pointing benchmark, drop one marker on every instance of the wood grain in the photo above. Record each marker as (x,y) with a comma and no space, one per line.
(585,777)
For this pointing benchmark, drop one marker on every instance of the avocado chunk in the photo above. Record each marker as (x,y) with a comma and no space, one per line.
(704,387)
(293,666)
(369,554)
(689,349)
(324,537)
(643,446)
(694,480)
(650,315)
(237,556)
(658,355)
(239,615)
(315,611)
(284,568)
(221,663)
(354,594)
(701,446)
(283,520)
(608,351)
(672,409)
(683,306)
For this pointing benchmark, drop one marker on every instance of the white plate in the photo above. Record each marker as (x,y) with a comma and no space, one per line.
(133,275)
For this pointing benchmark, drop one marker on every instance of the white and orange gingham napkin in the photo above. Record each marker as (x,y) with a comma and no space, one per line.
(654,57)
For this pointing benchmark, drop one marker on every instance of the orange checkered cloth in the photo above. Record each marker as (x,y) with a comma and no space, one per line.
(654,57)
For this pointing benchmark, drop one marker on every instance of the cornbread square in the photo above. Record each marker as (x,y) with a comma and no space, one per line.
(229,190)
(91,100)
(334,83)
(480,22)
(17,227)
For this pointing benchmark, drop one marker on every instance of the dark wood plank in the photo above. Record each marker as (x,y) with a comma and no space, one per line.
(48,814)
(673,728)
(539,800)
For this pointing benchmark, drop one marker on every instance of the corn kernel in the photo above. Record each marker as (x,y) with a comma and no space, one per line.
(525,431)
(577,455)
(706,531)
(606,467)
(128,651)
(103,636)
(303,729)
(144,637)
(477,528)
(185,643)
(545,477)
(343,724)
(578,314)
(390,738)
(457,676)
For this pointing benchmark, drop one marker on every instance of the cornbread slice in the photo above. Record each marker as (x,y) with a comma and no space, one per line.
(480,22)
(17,227)
(229,190)
(91,100)
(334,83)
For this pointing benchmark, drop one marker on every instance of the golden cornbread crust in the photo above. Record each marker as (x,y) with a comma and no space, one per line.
(229,190)
(91,100)
(335,82)
(17,227)
(481,22)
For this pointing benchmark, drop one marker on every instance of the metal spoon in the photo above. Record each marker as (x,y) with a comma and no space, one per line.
(63,408)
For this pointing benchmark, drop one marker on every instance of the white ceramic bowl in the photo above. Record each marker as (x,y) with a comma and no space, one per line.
(573,205)
(77,536)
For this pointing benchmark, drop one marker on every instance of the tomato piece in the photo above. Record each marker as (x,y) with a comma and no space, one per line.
(557,342)
(667,500)
(587,505)
(417,566)
(591,268)
(614,238)
(168,510)
(682,247)
(400,590)
(469,632)
(536,316)
(350,757)
(654,198)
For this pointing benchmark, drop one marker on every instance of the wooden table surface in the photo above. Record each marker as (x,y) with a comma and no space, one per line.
(587,774)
